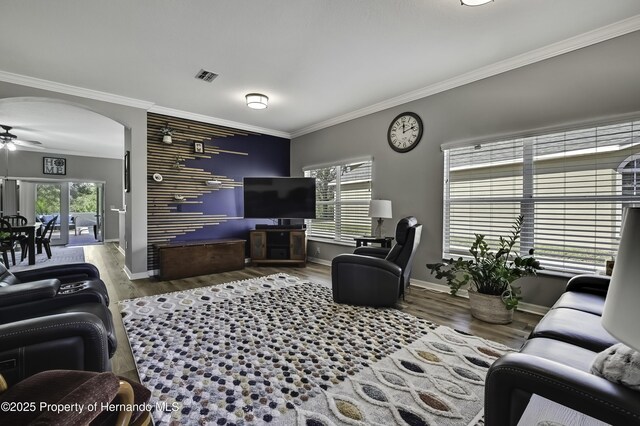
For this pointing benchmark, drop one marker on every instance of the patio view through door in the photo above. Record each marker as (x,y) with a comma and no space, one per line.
(79,207)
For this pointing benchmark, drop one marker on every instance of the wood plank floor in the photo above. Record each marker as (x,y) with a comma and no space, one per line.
(438,307)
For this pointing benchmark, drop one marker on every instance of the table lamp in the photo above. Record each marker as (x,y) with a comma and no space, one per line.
(621,314)
(380,209)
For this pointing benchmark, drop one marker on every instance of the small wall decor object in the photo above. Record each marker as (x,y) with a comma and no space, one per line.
(167,132)
(54,166)
(127,172)
(214,183)
(157,177)
(178,164)
(198,147)
(178,197)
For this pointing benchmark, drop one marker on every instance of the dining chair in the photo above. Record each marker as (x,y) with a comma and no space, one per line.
(6,242)
(19,237)
(45,238)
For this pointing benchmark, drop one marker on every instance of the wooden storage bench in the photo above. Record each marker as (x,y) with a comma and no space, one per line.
(183,259)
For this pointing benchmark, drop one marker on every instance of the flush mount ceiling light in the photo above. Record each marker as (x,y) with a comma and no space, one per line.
(474,2)
(257,100)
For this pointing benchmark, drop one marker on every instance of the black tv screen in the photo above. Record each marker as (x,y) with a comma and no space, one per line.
(279,198)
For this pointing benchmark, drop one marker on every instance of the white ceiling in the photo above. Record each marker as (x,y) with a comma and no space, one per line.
(317,60)
(62,128)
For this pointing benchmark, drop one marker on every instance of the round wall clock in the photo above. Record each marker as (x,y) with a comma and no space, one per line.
(405,131)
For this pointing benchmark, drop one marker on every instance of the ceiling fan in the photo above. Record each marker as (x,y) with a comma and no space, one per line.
(9,140)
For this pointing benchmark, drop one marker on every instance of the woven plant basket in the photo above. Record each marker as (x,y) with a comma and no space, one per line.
(489,308)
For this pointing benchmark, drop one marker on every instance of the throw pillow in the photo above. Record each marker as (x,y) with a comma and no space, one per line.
(619,364)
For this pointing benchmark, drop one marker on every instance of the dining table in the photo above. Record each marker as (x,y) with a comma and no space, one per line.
(30,230)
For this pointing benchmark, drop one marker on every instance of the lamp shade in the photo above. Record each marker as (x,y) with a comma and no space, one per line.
(621,314)
(380,209)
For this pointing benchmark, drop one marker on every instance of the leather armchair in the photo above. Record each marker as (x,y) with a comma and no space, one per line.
(78,281)
(364,278)
(74,341)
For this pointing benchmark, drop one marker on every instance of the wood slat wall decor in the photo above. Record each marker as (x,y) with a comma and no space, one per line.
(165,223)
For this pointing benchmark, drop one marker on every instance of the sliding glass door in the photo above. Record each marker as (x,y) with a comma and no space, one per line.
(52,200)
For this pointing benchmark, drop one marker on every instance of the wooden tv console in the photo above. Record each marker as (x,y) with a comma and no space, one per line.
(182,259)
(281,246)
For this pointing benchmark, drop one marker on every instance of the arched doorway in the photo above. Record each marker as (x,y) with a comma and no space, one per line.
(91,147)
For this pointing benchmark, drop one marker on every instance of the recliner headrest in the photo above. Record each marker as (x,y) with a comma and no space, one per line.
(402,230)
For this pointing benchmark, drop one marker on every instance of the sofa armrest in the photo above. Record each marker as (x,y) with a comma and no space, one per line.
(75,341)
(65,273)
(598,284)
(517,376)
(28,292)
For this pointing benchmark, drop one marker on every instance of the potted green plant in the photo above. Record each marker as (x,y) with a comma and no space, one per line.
(490,275)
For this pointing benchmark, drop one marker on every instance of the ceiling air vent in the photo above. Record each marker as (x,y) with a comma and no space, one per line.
(207,76)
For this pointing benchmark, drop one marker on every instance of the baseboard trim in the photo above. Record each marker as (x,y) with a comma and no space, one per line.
(319,261)
(442,288)
(136,276)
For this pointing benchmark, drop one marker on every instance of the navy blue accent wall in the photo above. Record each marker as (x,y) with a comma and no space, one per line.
(267,156)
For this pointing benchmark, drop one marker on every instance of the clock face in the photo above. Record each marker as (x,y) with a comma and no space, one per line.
(405,132)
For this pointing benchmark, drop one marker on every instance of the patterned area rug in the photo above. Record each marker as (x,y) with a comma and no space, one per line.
(278,350)
(59,255)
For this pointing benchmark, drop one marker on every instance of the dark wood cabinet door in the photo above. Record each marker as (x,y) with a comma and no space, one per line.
(258,241)
(298,245)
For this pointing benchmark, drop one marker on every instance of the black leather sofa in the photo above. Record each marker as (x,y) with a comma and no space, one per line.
(80,281)
(555,363)
(54,318)
(68,341)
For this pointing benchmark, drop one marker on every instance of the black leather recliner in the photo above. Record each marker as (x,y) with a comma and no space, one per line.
(365,278)
(48,296)
(74,341)
(80,281)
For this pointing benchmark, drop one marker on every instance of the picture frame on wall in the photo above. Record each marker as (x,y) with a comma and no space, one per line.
(54,166)
(127,172)
(198,147)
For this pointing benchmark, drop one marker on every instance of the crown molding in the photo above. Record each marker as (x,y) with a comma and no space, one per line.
(82,92)
(218,121)
(599,35)
(67,89)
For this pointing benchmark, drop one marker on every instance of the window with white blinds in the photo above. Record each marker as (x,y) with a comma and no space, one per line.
(343,192)
(571,187)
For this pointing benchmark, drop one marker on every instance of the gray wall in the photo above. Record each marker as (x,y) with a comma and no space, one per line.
(27,164)
(586,85)
(135,122)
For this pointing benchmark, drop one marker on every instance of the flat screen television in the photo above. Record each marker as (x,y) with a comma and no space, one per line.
(279,198)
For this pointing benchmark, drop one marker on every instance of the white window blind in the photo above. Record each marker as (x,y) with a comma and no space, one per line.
(572,188)
(343,192)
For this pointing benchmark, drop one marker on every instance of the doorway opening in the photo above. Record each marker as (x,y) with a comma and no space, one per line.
(77,207)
